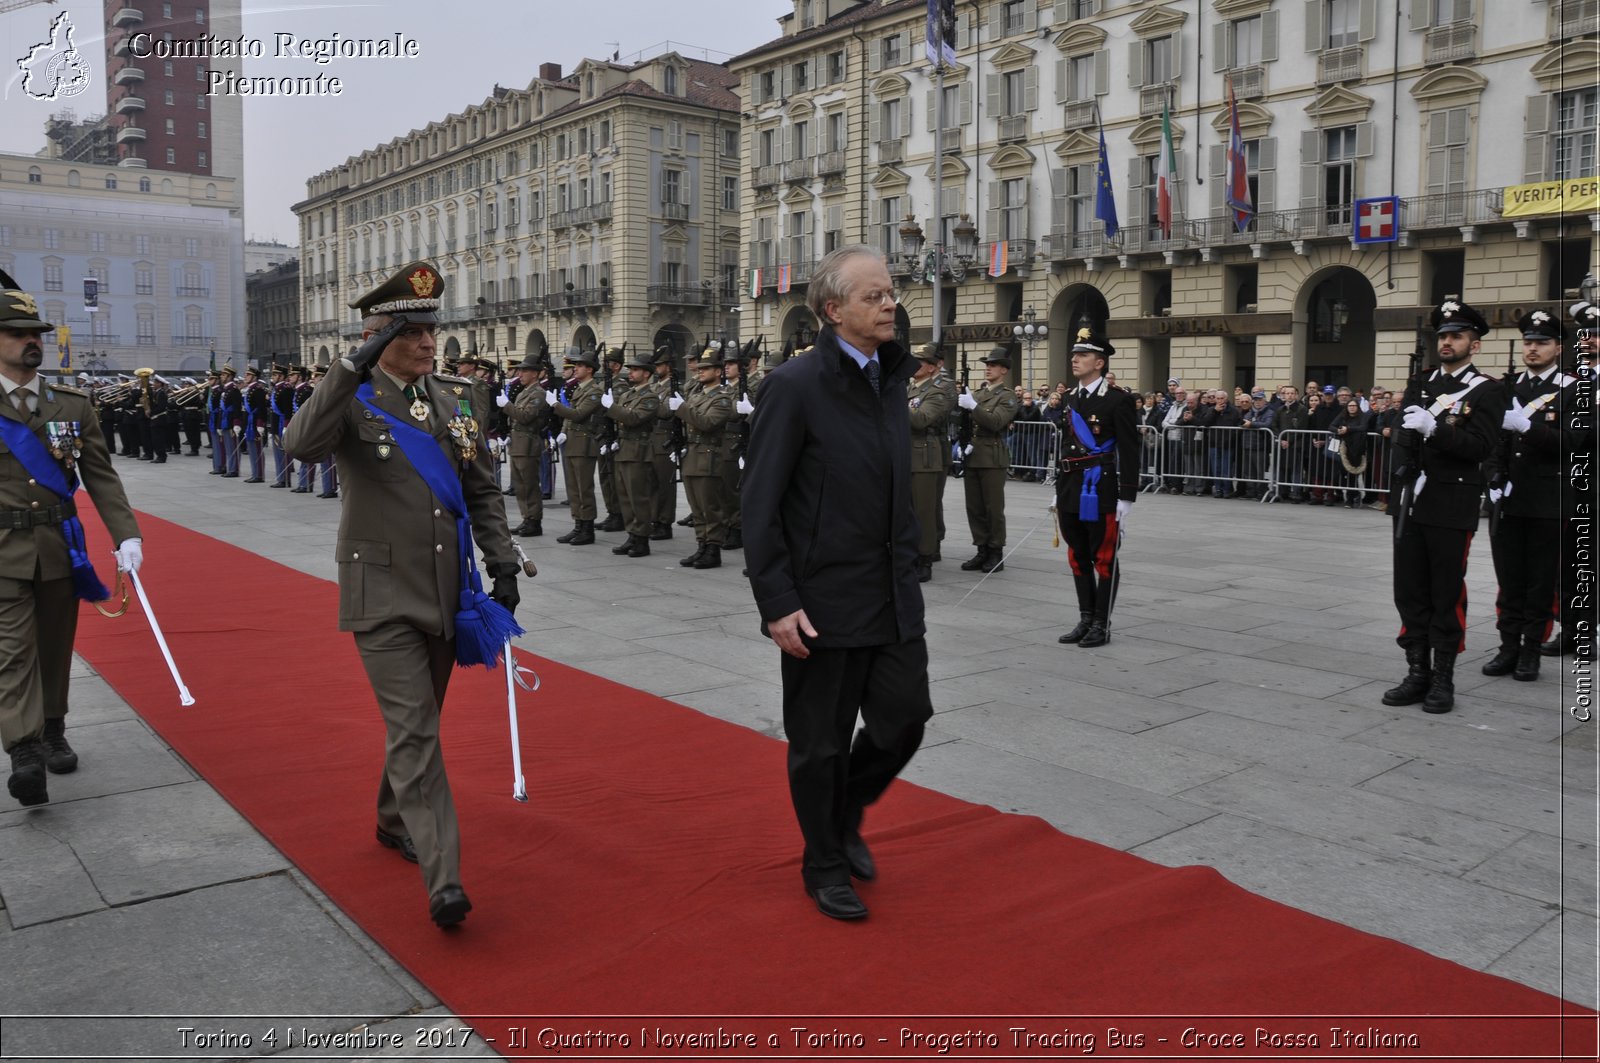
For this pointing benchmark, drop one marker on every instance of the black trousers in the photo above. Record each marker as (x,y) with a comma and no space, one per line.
(832,781)
(1430,586)
(1526,555)
(1092,553)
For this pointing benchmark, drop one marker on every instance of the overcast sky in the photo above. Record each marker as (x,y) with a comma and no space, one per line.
(466,48)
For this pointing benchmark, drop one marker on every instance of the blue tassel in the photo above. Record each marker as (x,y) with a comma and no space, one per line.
(482,627)
(86,584)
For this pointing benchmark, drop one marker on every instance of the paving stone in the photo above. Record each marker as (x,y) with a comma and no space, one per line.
(1555,870)
(1336,719)
(661,674)
(41,878)
(1531,803)
(1285,749)
(112,758)
(1559,958)
(1207,666)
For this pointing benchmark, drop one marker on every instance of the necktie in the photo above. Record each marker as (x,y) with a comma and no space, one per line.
(23,398)
(873,370)
(1083,393)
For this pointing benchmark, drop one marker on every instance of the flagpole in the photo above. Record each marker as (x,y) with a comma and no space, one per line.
(938,198)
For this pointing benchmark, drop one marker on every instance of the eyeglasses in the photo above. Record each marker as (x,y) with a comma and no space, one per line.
(416,332)
(878,298)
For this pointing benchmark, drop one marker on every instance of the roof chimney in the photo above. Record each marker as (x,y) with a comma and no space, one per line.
(549,71)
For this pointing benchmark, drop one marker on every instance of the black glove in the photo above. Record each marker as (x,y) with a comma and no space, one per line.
(505,585)
(368,353)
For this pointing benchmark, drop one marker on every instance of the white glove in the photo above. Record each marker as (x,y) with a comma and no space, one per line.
(1419,419)
(560,439)
(741,463)
(966,401)
(674,402)
(1495,494)
(1516,418)
(501,401)
(1123,509)
(607,401)
(130,555)
(551,398)
(744,406)
(966,451)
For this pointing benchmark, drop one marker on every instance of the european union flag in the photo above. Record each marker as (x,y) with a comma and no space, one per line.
(1105,200)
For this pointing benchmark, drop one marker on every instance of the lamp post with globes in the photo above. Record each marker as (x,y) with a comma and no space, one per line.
(1027,332)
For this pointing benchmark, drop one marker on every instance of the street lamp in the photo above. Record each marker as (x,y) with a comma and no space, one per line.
(1027,332)
(952,262)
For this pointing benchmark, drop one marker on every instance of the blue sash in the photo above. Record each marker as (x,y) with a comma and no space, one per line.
(1089,498)
(42,466)
(482,624)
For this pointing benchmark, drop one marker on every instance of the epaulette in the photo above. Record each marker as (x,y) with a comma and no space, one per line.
(66,390)
(1563,380)
(447,378)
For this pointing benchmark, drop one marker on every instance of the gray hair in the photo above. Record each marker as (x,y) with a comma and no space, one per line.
(827,280)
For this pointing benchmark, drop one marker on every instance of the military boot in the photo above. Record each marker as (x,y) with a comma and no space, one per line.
(627,544)
(734,540)
(689,561)
(639,546)
(577,526)
(59,757)
(1442,691)
(1417,680)
(27,781)
(976,561)
(995,562)
(1527,661)
(1505,658)
(531,529)
(612,523)
(585,534)
(660,530)
(712,558)
(1099,634)
(1077,633)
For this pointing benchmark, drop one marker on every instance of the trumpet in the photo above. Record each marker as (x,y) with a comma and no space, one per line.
(186,395)
(114,393)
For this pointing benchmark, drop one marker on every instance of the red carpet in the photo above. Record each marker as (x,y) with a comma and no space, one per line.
(654,872)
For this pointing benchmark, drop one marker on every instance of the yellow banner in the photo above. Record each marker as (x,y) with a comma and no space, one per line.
(1580,195)
(64,345)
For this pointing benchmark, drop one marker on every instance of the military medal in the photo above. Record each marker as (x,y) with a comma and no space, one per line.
(419,410)
(65,442)
(464,430)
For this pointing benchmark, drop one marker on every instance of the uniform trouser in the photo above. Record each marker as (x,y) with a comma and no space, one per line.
(128,429)
(1092,554)
(1525,604)
(409,671)
(253,448)
(666,505)
(38,620)
(925,491)
(280,462)
(547,474)
(636,493)
(304,480)
(153,438)
(730,486)
(1430,586)
(706,503)
(525,480)
(171,428)
(944,481)
(219,454)
(230,443)
(986,506)
(580,486)
(832,781)
(330,477)
(608,484)
(191,432)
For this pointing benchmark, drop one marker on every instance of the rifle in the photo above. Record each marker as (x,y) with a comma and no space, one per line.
(741,446)
(608,428)
(680,439)
(1500,480)
(964,430)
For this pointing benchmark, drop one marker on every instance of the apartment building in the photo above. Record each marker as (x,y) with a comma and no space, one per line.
(1472,115)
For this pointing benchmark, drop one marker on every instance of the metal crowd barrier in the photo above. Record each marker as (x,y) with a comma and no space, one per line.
(1223,460)
(1150,463)
(1034,446)
(1312,465)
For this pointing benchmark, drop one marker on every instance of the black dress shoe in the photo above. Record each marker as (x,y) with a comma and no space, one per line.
(1097,635)
(860,857)
(256,480)
(280,485)
(398,841)
(1077,633)
(448,907)
(328,494)
(838,902)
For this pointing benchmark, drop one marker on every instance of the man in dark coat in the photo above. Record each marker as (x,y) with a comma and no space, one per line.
(832,548)
(1451,423)
(1096,485)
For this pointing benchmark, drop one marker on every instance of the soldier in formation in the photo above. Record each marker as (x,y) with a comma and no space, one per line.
(579,436)
(931,397)
(706,415)
(633,410)
(992,407)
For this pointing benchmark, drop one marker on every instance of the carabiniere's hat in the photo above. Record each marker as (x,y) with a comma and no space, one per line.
(415,291)
(1587,315)
(927,352)
(998,356)
(1452,315)
(17,308)
(579,356)
(251,370)
(710,358)
(1089,340)
(318,372)
(279,367)
(1541,325)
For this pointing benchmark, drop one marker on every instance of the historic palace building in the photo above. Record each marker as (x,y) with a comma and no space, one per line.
(1478,118)
(596,207)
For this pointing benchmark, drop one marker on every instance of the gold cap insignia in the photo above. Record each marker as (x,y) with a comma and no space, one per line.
(422,282)
(1084,334)
(23,302)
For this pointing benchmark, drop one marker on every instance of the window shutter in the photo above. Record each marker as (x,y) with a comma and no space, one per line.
(997,21)
(964,31)
(874,56)
(991,217)
(1536,140)
(1219,175)
(966,103)
(1269,36)
(1025,223)
(1266,192)
(991,93)
(1369,20)
(1030,17)
(933,111)
(1421,14)
(950,199)
(1310,168)
(905,46)
(786,82)
(1456,125)
(905,117)
(1061,81)
(1102,72)
(1058,204)
(1030,89)
(1177,56)
(1220,35)
(1136,64)
(1135,218)
(875,123)
(1364,138)
(1438,159)
(1060,13)
(1316,26)
(1267,154)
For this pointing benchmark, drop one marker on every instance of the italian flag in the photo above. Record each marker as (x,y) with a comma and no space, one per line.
(755,284)
(1166,173)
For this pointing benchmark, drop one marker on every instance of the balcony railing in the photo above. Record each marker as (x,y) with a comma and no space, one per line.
(1450,209)
(1011,128)
(800,271)
(1249,82)
(312,328)
(1574,18)
(891,151)
(453,314)
(797,170)
(144,341)
(121,48)
(193,293)
(579,297)
(129,73)
(764,176)
(1447,44)
(512,307)
(675,211)
(127,16)
(1339,64)
(130,132)
(1309,222)
(1091,243)
(830,162)
(193,341)
(1151,238)
(952,140)
(1078,114)
(1153,98)
(104,339)
(677,295)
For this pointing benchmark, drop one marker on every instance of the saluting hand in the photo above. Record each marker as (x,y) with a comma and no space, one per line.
(786,633)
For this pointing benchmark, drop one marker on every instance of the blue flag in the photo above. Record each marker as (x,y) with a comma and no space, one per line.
(940,38)
(1105,200)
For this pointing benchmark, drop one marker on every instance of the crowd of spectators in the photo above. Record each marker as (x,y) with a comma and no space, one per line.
(1330,443)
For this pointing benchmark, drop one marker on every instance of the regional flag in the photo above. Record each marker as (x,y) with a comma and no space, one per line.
(755,284)
(997,258)
(1238,186)
(941,32)
(783,279)
(1105,200)
(1166,173)
(64,346)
